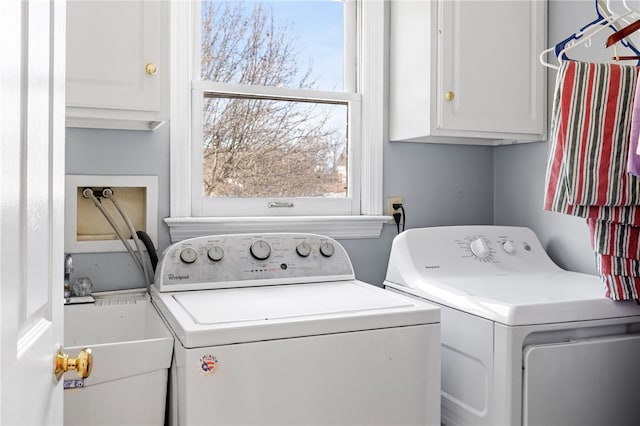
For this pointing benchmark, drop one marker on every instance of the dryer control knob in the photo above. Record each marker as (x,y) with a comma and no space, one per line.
(188,255)
(508,247)
(479,248)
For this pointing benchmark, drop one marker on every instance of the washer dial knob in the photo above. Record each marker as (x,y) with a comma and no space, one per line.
(215,253)
(303,249)
(479,248)
(188,255)
(327,249)
(260,249)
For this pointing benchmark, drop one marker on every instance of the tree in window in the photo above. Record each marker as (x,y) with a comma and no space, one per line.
(256,146)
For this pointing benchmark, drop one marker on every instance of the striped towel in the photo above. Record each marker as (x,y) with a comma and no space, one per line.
(587,170)
(591,125)
(614,265)
(621,287)
(617,250)
(615,239)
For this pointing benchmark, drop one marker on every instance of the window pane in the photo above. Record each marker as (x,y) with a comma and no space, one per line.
(274,148)
(298,44)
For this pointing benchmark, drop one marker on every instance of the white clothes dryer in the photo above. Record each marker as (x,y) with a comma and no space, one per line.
(523,341)
(274,329)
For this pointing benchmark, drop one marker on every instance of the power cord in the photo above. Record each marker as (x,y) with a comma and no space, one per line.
(398,216)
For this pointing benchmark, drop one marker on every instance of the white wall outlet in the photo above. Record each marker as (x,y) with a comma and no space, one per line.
(390,210)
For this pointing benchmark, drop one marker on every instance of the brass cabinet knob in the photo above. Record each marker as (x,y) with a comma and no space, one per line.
(82,364)
(151,68)
(449,95)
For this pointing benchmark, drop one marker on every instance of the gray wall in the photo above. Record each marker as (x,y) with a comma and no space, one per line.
(520,170)
(116,152)
(440,184)
(519,192)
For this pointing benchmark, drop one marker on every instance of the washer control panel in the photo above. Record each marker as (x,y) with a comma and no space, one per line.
(242,260)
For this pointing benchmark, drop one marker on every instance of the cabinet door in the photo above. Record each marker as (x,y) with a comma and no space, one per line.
(489,79)
(109,44)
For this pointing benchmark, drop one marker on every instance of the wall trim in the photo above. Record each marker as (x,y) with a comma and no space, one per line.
(339,227)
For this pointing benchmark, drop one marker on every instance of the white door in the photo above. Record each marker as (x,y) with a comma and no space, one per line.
(31,209)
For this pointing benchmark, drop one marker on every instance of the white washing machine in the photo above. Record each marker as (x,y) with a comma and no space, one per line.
(274,329)
(523,341)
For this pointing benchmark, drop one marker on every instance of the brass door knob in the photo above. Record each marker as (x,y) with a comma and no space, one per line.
(151,68)
(449,96)
(82,363)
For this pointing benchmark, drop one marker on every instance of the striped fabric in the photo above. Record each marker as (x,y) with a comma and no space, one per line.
(592,130)
(555,197)
(587,169)
(617,258)
(614,265)
(620,287)
(615,239)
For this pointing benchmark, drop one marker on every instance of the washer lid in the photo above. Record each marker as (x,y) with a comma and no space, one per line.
(236,315)
(524,298)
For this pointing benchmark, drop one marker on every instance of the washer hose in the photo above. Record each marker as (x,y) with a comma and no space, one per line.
(146,240)
(108,194)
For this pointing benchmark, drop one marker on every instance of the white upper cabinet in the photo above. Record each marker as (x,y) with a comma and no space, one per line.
(117,64)
(467,71)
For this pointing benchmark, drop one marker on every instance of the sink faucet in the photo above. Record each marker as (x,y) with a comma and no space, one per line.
(68,269)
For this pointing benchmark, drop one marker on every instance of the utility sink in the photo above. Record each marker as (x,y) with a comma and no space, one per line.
(132,350)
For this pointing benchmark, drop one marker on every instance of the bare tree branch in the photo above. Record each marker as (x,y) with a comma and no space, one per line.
(254,147)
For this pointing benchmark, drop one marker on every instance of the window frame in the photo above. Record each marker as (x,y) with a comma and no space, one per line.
(365,222)
(200,205)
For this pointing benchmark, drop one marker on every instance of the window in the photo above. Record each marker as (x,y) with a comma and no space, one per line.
(286,115)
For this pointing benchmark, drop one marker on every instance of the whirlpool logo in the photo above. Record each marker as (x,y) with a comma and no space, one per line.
(179,277)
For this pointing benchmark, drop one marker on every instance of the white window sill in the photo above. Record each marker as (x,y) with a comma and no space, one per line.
(339,227)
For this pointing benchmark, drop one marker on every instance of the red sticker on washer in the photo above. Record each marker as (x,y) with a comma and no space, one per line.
(207,365)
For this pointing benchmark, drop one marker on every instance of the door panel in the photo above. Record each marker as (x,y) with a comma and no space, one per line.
(32,209)
(582,382)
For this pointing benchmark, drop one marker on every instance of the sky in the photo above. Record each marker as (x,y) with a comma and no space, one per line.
(318,28)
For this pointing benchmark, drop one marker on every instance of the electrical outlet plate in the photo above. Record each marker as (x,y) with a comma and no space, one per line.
(390,202)
(86,229)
